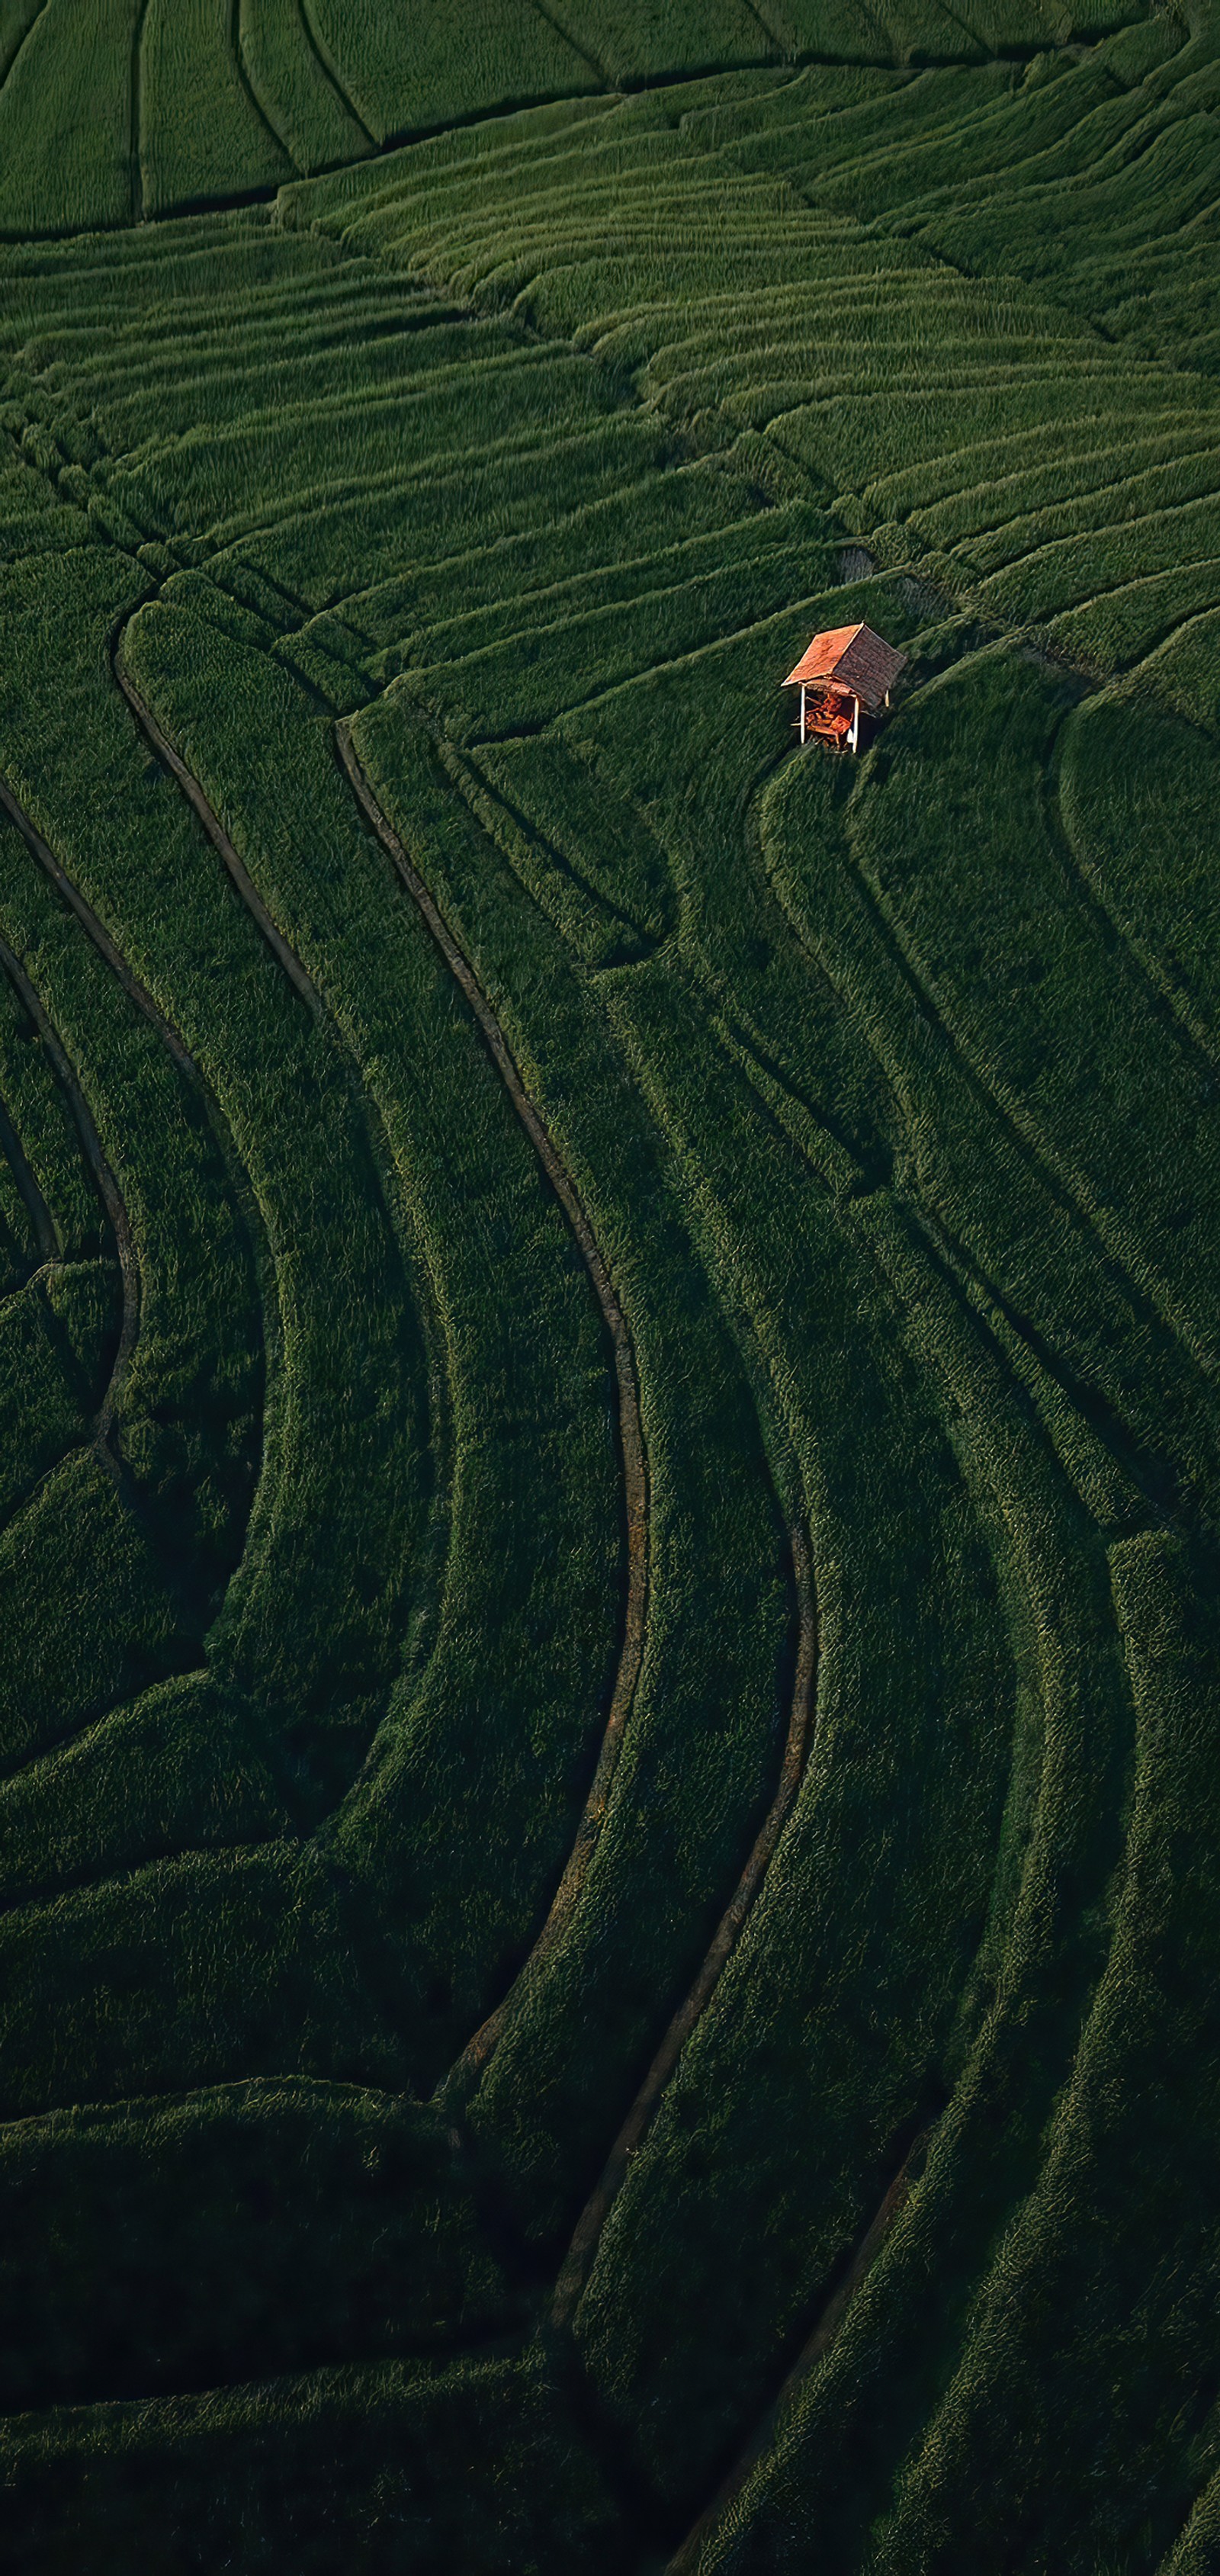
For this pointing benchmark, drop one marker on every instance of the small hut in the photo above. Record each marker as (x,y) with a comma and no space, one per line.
(845,673)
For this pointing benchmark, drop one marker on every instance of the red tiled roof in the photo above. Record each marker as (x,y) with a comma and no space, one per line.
(854,658)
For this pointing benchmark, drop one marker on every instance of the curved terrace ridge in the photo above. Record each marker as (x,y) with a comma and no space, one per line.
(479,2049)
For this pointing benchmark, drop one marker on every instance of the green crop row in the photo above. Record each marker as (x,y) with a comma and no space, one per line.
(441,210)
(201,132)
(41,1119)
(616,2314)
(241,2233)
(999,519)
(583,854)
(210,101)
(497,56)
(186,1428)
(296,88)
(637,735)
(76,1566)
(1089,1038)
(834,2448)
(206,1967)
(1018,462)
(629,44)
(1184,672)
(509,688)
(209,481)
(385,352)
(645,512)
(708,1717)
(334,543)
(497,1723)
(66,139)
(183,1765)
(334,1439)
(584,606)
(19,1244)
(977,1165)
(823,2039)
(58,1336)
(1137,797)
(479,2466)
(33,518)
(919,30)
(191,1387)
(1108,2274)
(888,1088)
(1128,624)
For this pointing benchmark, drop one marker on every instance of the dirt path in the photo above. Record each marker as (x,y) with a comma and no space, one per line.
(465,2074)
(578,2261)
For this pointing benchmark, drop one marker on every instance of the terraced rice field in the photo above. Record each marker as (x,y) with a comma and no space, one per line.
(609,1337)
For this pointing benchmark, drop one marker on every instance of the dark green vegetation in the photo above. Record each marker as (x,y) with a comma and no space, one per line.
(501,1168)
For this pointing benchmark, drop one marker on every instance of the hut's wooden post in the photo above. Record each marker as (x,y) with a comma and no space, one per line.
(802,711)
(854,736)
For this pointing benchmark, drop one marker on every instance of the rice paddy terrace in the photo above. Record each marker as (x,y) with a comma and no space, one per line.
(610,1339)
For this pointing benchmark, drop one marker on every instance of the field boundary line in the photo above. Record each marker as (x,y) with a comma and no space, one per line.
(1161,635)
(46,1232)
(245,79)
(1072,1189)
(599,71)
(943,1243)
(1192,1038)
(329,71)
(687,2559)
(1024,1139)
(646,670)
(249,92)
(468,2066)
(96,931)
(1088,493)
(395,1207)
(107,1189)
(761,20)
(579,2259)
(266,193)
(284,955)
(175,1045)
(47,1236)
(23,41)
(135,113)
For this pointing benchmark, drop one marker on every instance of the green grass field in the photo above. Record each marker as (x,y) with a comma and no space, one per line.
(609,1327)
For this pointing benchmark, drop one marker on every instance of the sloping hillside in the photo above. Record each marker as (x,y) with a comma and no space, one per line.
(609,1335)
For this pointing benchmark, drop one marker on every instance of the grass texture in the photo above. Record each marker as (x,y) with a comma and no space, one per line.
(609,1353)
